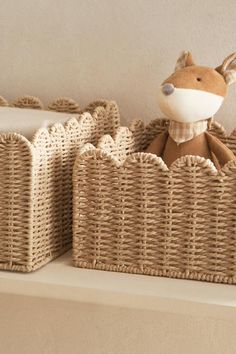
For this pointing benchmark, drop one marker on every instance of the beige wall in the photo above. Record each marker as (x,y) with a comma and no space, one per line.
(119,49)
(42,326)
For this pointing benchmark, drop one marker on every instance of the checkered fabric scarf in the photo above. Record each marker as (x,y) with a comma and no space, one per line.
(181,132)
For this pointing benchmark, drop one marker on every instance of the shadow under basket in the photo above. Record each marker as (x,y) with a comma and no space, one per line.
(133,214)
(36,183)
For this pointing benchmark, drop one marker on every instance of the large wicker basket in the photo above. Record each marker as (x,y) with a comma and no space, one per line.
(133,214)
(36,182)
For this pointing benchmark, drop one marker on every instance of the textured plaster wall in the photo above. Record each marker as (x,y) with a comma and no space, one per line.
(116,49)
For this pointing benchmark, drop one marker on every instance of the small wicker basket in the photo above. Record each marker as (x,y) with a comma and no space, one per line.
(36,182)
(133,214)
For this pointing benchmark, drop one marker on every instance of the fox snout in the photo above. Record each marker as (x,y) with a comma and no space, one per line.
(168,89)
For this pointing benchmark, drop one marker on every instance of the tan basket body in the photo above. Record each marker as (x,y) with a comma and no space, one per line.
(36,187)
(133,214)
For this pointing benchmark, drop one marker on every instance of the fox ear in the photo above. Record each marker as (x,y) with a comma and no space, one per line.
(184,60)
(228,69)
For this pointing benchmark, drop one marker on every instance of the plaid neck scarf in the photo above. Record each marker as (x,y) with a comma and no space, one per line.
(181,132)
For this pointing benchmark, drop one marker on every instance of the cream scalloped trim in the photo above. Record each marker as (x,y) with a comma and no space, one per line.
(121,149)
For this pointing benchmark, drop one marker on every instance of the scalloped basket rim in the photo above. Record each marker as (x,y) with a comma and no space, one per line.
(182,161)
(82,118)
(71,123)
(33,99)
(12,136)
(61,99)
(146,158)
(90,151)
(140,124)
(85,117)
(96,105)
(98,102)
(220,128)
(98,110)
(86,147)
(164,122)
(137,123)
(62,127)
(107,138)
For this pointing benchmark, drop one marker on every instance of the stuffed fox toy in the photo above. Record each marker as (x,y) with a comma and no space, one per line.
(189,98)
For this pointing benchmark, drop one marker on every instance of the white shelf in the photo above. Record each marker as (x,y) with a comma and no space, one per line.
(60,280)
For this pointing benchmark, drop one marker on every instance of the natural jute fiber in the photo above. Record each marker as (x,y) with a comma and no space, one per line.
(36,183)
(133,214)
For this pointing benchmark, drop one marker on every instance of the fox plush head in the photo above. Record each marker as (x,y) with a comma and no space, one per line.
(194,92)
(189,98)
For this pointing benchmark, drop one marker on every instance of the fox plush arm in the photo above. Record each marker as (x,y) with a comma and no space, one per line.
(219,150)
(158,144)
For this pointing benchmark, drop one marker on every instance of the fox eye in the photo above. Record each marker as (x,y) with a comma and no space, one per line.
(199,79)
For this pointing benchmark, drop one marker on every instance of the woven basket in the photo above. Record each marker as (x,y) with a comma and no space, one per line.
(133,214)
(36,183)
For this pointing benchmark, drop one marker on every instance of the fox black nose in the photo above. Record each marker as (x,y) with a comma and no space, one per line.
(168,89)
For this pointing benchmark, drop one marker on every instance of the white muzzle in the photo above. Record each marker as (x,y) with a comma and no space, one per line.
(187,105)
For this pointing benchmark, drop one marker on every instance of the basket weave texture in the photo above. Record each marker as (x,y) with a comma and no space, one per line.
(36,184)
(133,214)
